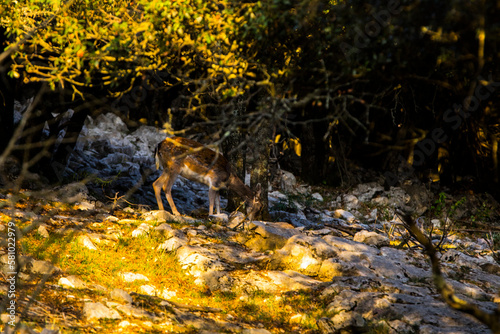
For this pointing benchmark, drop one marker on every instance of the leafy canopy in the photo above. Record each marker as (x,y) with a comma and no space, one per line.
(110,44)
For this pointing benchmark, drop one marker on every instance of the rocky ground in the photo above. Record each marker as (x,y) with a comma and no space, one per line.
(345,256)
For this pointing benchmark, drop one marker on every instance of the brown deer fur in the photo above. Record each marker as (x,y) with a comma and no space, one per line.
(186,157)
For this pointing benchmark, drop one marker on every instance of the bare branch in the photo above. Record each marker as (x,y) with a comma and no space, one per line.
(492,320)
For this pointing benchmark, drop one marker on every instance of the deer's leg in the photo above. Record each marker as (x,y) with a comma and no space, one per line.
(217,202)
(174,172)
(157,186)
(212,194)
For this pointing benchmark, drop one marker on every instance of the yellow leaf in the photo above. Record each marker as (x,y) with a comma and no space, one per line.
(277,139)
(297,147)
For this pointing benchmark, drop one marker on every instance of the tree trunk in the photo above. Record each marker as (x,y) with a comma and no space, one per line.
(235,153)
(260,167)
(237,158)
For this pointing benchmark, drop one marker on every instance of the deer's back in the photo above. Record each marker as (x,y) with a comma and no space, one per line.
(195,161)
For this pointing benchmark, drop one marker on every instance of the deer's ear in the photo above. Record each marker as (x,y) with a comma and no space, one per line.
(258,190)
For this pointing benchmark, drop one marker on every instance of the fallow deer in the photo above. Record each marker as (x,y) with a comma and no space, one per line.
(186,157)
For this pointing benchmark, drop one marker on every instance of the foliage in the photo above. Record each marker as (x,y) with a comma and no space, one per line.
(111,44)
(441,208)
(369,80)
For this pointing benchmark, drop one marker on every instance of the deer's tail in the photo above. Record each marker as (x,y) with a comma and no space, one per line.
(157,156)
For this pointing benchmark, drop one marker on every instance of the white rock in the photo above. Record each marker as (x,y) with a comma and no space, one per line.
(167,294)
(172,244)
(339,213)
(42,230)
(44,267)
(72,282)
(236,219)
(371,238)
(317,197)
(288,182)
(85,206)
(121,296)
(221,217)
(330,268)
(255,331)
(131,277)
(148,290)
(381,201)
(98,311)
(277,195)
(125,323)
(112,219)
(366,191)
(351,202)
(85,241)
(198,260)
(278,281)
(141,230)
(164,227)
(437,223)
(131,311)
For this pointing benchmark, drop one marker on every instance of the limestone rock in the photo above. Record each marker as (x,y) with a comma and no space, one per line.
(276,281)
(342,244)
(339,213)
(303,253)
(141,230)
(85,241)
(269,236)
(331,268)
(350,202)
(133,311)
(371,238)
(255,331)
(96,311)
(120,296)
(44,267)
(73,282)
(148,290)
(164,228)
(173,244)
(317,197)
(42,230)
(131,277)
(197,260)
(287,181)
